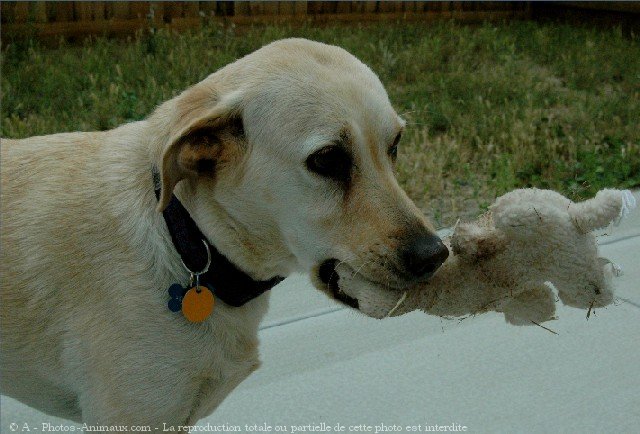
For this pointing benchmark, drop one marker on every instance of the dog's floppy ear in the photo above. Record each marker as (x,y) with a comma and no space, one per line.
(200,149)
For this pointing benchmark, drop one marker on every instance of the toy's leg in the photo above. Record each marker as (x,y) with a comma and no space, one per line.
(590,291)
(534,304)
(584,298)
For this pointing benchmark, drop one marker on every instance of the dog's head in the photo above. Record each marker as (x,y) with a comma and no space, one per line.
(287,161)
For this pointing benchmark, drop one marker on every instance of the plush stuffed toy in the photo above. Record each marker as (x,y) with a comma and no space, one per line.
(531,245)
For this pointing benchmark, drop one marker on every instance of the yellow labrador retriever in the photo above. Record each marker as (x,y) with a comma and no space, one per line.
(281,161)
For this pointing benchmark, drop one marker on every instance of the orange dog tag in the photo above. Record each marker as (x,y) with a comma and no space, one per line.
(197,304)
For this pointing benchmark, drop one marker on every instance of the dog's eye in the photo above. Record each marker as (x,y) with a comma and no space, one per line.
(393,150)
(332,162)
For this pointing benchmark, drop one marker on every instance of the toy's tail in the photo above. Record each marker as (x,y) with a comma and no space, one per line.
(608,206)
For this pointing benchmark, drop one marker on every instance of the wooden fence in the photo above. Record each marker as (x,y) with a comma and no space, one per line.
(77,19)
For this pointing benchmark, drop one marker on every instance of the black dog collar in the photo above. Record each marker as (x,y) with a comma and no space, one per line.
(228,283)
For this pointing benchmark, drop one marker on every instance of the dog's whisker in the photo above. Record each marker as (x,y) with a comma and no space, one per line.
(365,263)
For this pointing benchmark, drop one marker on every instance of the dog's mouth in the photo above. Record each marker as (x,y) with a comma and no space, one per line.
(329,277)
(342,283)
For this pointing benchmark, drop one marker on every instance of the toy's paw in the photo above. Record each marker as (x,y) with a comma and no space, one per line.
(534,305)
(606,207)
(628,204)
(589,294)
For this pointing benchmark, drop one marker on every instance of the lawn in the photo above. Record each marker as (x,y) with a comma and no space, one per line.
(489,108)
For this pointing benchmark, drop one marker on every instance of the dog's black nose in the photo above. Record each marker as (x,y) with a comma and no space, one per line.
(424,254)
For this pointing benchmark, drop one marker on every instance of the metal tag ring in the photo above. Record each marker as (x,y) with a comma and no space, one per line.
(206,267)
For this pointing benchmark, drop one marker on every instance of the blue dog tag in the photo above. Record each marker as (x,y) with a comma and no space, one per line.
(175,305)
(176,292)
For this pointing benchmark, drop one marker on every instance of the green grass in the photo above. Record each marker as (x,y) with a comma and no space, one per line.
(490,108)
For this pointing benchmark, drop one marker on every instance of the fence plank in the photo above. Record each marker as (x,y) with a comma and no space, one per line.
(208,9)
(343,7)
(462,16)
(77,28)
(98,10)
(313,7)
(270,7)
(226,8)
(285,8)
(183,23)
(300,7)
(386,6)
(121,10)
(21,12)
(370,7)
(64,11)
(191,10)
(138,10)
(428,6)
(241,8)
(256,8)
(39,12)
(628,6)
(156,13)
(357,7)
(83,11)
(172,10)
(7,11)
(329,7)
(182,15)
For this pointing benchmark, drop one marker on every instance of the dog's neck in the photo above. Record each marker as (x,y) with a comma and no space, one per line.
(231,285)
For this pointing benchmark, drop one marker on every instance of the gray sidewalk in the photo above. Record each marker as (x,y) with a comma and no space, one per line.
(323,363)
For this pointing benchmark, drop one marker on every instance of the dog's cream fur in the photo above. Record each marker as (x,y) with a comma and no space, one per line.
(87,259)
